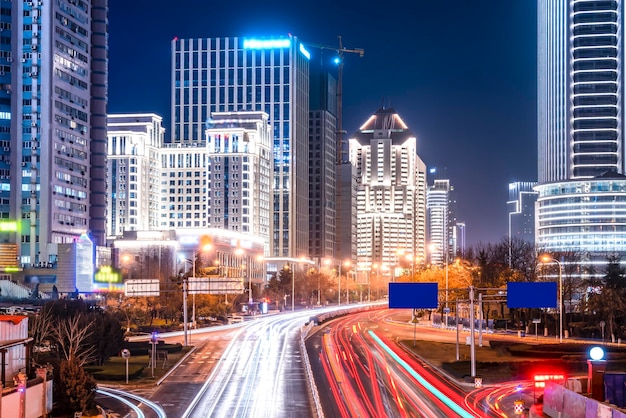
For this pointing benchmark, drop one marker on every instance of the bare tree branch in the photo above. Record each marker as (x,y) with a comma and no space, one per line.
(42,327)
(71,335)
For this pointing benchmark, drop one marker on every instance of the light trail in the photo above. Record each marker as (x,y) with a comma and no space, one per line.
(440,395)
(121,396)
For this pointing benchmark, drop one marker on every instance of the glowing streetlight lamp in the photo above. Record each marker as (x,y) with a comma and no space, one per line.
(546,258)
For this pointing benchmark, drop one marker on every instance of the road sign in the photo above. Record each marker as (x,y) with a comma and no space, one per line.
(531,294)
(214,286)
(413,295)
(142,287)
(125,353)
(478,382)
(446,310)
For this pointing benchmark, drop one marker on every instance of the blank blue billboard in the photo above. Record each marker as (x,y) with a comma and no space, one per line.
(531,295)
(413,295)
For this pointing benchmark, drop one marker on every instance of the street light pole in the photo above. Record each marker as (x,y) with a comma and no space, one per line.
(248,273)
(293,288)
(185,310)
(550,259)
(347,288)
(339,289)
(446,270)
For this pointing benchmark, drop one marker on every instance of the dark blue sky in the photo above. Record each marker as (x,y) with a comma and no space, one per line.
(462,75)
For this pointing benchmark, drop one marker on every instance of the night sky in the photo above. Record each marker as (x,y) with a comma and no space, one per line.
(462,75)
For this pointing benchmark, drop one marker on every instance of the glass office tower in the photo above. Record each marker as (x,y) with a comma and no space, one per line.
(581,207)
(269,75)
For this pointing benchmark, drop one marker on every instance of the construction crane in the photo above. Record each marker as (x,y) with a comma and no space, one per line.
(340,50)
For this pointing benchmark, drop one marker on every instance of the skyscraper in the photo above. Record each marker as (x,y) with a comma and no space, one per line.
(57,89)
(390,191)
(440,227)
(581,206)
(269,75)
(322,158)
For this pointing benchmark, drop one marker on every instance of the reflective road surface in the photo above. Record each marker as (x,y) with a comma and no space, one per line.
(260,374)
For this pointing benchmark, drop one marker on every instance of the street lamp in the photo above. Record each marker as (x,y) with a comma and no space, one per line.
(195,253)
(347,264)
(549,259)
(260,259)
(410,257)
(293,288)
(327,262)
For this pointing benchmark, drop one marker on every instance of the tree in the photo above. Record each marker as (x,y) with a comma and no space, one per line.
(106,338)
(610,302)
(77,389)
(81,331)
(279,285)
(71,336)
(41,329)
(314,282)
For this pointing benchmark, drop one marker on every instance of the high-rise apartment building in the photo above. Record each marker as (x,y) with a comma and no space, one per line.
(391,184)
(239,173)
(183,186)
(53,100)
(134,172)
(581,205)
(222,182)
(322,163)
(269,75)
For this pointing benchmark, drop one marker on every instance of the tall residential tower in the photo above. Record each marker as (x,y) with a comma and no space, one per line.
(391,185)
(57,89)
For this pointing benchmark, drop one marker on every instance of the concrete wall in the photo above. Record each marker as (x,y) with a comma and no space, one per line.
(560,402)
(34,401)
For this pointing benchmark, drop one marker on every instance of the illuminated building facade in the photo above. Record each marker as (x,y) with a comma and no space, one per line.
(391,191)
(239,173)
(183,186)
(581,187)
(243,74)
(134,172)
(440,225)
(521,207)
(53,175)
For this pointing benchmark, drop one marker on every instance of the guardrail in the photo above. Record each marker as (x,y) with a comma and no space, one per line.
(316,320)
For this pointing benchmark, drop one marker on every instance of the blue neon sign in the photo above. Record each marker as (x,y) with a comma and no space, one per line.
(266,43)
